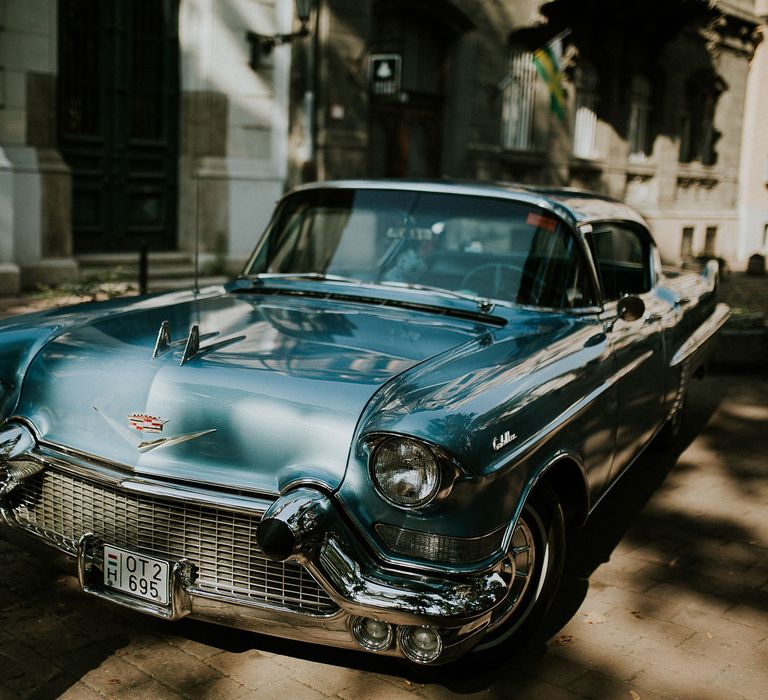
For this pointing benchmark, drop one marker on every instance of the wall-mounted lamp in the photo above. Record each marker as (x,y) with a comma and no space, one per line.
(262,45)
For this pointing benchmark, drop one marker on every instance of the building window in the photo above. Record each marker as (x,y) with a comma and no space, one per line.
(710,238)
(686,246)
(585,123)
(639,119)
(697,122)
(519,88)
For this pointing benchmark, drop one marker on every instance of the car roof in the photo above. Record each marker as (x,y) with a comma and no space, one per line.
(580,206)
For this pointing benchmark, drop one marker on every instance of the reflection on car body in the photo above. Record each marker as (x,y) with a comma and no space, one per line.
(378,436)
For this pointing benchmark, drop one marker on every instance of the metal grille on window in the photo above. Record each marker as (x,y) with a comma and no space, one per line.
(585,123)
(686,244)
(519,87)
(639,119)
(710,240)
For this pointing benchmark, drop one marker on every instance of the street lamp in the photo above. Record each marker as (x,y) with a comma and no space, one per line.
(262,45)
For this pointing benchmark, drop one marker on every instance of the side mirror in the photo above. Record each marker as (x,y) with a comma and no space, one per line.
(630,308)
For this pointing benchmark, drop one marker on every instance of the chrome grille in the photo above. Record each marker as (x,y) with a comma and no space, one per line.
(222,543)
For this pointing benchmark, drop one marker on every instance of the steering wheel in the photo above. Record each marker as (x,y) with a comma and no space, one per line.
(496,280)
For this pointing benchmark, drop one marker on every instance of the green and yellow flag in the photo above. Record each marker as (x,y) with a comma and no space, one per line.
(547,61)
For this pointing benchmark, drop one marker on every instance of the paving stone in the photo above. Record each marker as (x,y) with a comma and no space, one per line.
(722,627)
(682,684)
(325,678)
(217,688)
(375,688)
(675,659)
(602,687)
(645,610)
(173,668)
(555,670)
(114,676)
(79,691)
(751,685)
(152,689)
(652,628)
(722,649)
(532,689)
(22,668)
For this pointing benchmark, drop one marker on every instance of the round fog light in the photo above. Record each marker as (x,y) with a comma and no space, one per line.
(373,635)
(421,644)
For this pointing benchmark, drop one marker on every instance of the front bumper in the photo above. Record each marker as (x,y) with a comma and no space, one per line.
(72,502)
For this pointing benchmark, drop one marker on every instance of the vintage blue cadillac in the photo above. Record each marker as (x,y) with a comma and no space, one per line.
(378,436)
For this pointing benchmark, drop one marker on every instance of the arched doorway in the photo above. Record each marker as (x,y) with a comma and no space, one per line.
(118,95)
(406,128)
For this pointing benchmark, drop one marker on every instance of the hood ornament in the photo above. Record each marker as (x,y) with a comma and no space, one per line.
(191,343)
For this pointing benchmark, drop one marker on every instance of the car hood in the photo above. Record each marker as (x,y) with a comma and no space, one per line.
(273,396)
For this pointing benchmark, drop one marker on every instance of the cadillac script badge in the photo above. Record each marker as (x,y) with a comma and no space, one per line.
(504,439)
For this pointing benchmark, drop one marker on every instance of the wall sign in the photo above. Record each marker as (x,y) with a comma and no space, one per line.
(384,73)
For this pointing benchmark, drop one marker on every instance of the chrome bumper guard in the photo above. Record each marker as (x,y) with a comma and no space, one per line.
(90,576)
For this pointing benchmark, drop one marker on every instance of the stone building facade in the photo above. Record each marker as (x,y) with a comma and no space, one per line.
(655,100)
(753,170)
(153,123)
(136,122)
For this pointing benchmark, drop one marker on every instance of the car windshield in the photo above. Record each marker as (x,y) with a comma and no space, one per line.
(486,247)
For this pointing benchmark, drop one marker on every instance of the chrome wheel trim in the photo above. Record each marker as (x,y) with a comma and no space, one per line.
(519,568)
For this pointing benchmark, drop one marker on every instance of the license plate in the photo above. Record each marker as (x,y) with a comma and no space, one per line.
(136,574)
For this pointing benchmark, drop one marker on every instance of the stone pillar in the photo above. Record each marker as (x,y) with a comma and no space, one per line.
(234,126)
(9,270)
(36,191)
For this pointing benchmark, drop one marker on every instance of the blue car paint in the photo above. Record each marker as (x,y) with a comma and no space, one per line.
(283,401)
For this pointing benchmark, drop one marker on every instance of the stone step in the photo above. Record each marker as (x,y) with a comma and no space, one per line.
(131,272)
(168,284)
(101,260)
(165,271)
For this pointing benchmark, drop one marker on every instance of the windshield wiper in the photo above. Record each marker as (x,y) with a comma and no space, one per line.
(483,305)
(319,276)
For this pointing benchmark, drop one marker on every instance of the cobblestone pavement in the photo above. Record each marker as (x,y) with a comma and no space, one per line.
(665,596)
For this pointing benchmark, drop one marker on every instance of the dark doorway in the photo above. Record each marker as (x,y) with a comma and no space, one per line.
(118,121)
(406,127)
(406,140)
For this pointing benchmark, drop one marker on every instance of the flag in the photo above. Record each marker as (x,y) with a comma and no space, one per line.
(547,60)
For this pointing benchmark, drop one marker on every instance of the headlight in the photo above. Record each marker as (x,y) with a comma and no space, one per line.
(405,472)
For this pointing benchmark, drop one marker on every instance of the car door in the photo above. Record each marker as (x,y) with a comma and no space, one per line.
(623,256)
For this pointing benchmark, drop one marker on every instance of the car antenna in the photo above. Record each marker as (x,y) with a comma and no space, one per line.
(196,288)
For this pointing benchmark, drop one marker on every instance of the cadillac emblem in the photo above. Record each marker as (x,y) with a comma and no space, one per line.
(145,423)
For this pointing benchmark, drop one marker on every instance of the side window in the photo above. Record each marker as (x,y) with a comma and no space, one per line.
(623,260)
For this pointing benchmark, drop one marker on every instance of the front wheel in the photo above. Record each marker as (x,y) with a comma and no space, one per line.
(531,568)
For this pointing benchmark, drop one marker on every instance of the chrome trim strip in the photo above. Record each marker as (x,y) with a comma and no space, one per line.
(702,334)
(114,473)
(263,604)
(247,505)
